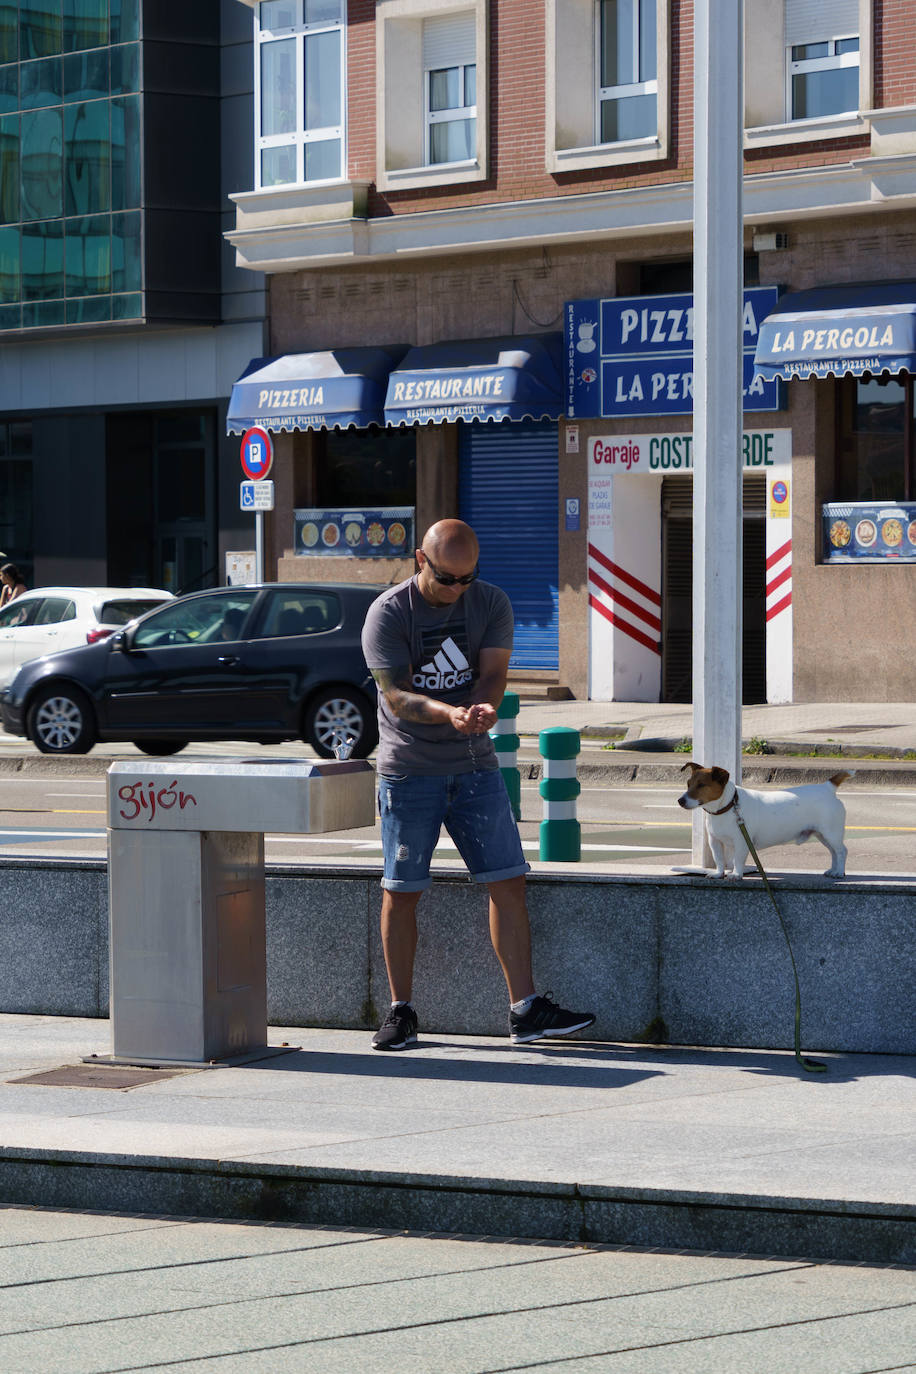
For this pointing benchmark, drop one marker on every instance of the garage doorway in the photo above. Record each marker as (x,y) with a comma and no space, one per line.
(677,590)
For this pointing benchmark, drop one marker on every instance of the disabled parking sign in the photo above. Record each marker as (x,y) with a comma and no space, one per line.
(257,453)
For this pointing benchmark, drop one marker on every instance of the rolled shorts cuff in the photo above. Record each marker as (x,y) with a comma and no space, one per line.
(500,874)
(399,885)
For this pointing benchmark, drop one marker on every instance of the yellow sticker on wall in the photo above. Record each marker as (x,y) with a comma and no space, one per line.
(779,499)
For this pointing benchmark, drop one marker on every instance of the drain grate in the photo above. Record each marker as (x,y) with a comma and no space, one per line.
(97,1076)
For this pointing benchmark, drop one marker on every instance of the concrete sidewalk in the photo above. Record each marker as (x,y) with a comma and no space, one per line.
(99,1293)
(706,1149)
(839,728)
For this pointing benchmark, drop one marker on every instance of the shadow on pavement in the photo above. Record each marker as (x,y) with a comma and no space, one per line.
(595,1065)
(599,1072)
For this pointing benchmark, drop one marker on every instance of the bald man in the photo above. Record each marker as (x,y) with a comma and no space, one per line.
(438,646)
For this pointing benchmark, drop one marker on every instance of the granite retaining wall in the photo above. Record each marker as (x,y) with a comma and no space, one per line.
(682,960)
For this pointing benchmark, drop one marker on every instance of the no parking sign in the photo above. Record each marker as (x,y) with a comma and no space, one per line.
(257,453)
(779,500)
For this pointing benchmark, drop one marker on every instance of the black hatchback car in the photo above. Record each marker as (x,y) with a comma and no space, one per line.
(273,662)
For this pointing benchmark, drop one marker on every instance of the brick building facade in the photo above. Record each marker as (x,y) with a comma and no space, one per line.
(480,166)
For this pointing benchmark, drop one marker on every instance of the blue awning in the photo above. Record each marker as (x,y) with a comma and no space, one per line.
(332,390)
(509,378)
(840,331)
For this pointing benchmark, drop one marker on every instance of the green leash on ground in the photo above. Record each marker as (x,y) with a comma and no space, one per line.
(809,1065)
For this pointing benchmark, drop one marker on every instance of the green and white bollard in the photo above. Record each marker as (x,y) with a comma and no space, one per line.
(505,741)
(561,834)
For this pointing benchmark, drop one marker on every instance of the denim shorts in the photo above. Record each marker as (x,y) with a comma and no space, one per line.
(474,807)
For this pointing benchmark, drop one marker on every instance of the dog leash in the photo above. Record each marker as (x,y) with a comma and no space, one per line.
(809,1065)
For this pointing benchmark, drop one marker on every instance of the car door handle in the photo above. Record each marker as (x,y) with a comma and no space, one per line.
(228,659)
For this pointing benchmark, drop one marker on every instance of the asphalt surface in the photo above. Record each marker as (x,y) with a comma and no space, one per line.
(629,767)
(623,823)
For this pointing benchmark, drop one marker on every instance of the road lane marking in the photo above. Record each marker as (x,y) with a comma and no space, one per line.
(74,796)
(50,811)
(18,835)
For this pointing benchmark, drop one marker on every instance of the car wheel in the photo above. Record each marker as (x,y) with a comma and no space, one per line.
(60,721)
(158,748)
(338,713)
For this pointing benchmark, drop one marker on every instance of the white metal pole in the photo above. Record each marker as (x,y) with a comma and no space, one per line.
(259,546)
(717,370)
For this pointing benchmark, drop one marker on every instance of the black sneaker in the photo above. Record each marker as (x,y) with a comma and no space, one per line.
(545,1020)
(398,1029)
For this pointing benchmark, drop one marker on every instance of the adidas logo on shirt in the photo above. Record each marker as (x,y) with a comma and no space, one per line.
(447,669)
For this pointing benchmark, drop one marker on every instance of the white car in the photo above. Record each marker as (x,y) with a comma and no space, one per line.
(50,618)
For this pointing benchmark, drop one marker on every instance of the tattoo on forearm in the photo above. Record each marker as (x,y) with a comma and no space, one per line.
(403,702)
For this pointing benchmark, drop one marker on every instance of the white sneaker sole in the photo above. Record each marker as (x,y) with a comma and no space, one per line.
(400,1045)
(551,1034)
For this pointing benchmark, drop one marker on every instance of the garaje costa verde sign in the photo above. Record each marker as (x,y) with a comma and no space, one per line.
(618,454)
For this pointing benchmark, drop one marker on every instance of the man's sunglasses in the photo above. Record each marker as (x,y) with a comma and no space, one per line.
(449,579)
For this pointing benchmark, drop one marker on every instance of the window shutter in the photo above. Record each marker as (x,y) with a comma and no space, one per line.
(812,21)
(450,41)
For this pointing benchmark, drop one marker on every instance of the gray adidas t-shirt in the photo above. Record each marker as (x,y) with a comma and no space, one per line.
(442,644)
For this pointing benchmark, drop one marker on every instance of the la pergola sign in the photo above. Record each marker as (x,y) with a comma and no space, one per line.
(633,355)
(616,455)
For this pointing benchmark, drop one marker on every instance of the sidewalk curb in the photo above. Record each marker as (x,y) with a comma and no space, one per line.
(756,770)
(666,744)
(627,764)
(821,1228)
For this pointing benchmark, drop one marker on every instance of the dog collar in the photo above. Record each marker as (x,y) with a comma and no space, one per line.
(732,803)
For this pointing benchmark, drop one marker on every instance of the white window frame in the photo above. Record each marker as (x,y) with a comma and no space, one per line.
(768,89)
(572,105)
(834,61)
(300,136)
(631,89)
(457,112)
(402,95)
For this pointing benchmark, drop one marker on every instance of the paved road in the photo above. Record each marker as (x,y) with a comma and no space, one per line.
(621,823)
(87,1293)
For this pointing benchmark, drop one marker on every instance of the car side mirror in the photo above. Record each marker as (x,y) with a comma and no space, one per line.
(122,639)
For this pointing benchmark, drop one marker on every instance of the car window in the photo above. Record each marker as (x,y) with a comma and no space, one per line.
(122,610)
(300,613)
(199,620)
(54,609)
(20,612)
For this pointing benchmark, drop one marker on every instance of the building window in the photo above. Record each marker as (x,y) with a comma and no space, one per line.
(299,92)
(822,58)
(627,70)
(450,88)
(823,78)
(607,83)
(876,439)
(431,91)
(365,467)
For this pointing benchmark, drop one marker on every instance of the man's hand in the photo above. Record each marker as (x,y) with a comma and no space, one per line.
(473,720)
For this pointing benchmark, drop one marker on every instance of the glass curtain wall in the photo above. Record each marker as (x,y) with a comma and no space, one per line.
(70,149)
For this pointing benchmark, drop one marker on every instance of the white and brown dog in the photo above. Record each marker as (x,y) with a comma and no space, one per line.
(792,816)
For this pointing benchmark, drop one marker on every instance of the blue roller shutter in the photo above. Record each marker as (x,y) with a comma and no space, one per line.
(508,490)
